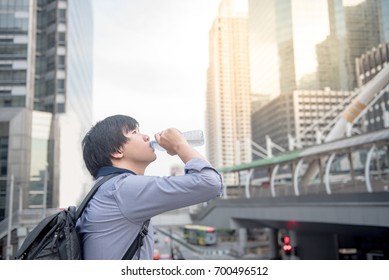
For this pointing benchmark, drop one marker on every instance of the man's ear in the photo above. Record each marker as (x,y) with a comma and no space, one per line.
(117,154)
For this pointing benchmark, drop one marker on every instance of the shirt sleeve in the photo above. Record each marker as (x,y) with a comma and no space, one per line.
(142,197)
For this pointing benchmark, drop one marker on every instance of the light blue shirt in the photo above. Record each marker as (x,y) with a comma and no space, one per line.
(115,214)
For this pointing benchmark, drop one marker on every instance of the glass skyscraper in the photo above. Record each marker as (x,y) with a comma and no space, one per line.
(283,38)
(384,20)
(356,27)
(304,44)
(79,61)
(308,46)
(45,76)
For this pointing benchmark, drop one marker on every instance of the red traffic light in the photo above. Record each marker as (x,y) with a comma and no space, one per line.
(286,239)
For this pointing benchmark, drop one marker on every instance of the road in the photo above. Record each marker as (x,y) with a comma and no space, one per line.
(169,239)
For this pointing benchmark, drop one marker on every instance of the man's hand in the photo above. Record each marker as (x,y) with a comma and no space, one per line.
(174,143)
(171,139)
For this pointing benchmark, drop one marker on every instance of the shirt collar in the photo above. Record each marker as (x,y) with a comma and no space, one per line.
(106,170)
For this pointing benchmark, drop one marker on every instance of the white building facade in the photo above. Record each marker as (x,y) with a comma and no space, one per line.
(228,95)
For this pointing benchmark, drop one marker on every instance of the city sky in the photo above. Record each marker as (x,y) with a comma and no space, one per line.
(150,62)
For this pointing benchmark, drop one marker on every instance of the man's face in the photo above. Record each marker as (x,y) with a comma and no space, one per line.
(137,149)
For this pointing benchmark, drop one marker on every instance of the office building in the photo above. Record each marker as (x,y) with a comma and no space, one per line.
(259,100)
(306,50)
(40,40)
(367,66)
(283,36)
(304,44)
(384,21)
(228,97)
(356,27)
(297,119)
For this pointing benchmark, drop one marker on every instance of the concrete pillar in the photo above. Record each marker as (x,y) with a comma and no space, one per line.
(21,233)
(273,244)
(242,240)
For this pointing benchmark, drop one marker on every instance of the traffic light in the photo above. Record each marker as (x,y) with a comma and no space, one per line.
(285,239)
(286,246)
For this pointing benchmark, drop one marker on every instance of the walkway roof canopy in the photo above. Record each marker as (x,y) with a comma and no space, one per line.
(317,150)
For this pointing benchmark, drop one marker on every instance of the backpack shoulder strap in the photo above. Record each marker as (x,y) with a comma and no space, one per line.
(138,242)
(92,192)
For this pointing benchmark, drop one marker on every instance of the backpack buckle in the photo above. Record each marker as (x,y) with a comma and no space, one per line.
(144,230)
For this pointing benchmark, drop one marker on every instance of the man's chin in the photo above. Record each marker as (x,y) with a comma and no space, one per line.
(155,157)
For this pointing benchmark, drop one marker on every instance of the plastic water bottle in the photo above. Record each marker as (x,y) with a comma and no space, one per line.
(194,138)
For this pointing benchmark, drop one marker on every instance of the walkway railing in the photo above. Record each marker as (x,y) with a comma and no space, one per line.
(351,165)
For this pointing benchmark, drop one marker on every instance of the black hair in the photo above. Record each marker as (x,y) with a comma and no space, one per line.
(105,138)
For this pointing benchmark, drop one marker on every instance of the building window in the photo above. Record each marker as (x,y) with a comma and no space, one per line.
(3,155)
(61,38)
(62,15)
(61,85)
(61,62)
(51,40)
